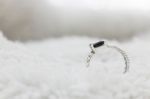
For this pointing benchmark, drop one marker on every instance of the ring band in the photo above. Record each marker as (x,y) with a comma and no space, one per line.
(102,43)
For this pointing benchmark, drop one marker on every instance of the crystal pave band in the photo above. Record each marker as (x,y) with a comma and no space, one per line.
(103,43)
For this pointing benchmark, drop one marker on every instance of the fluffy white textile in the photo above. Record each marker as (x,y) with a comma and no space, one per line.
(56,69)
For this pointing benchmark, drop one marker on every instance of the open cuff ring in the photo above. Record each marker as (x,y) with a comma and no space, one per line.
(102,43)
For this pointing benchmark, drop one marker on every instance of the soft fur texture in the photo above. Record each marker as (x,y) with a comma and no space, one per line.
(39,19)
(56,69)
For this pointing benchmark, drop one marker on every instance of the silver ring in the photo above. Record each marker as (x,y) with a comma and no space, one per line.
(102,43)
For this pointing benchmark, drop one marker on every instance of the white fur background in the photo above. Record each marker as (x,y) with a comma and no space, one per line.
(40,19)
(56,69)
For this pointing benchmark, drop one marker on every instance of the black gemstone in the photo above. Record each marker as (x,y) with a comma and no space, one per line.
(98,44)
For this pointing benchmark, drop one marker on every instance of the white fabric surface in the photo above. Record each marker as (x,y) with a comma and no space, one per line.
(56,69)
